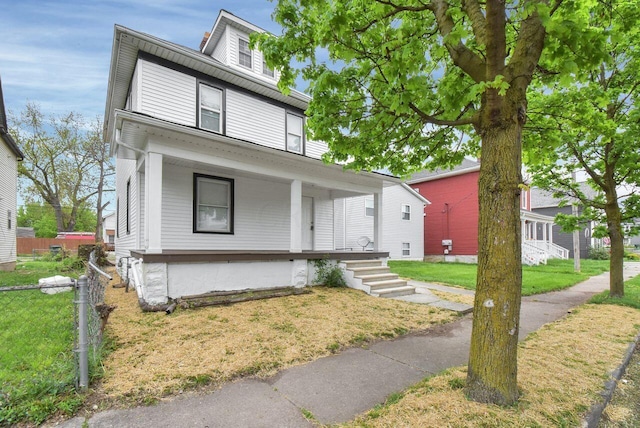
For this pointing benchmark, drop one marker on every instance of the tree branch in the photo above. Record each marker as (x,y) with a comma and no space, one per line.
(435,121)
(478,21)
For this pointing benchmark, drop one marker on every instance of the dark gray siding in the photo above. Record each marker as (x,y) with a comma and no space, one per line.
(565,239)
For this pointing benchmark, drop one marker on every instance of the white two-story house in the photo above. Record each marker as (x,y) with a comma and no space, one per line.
(10,155)
(217,186)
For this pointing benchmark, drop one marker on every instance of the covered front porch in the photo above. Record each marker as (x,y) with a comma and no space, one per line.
(537,239)
(220,214)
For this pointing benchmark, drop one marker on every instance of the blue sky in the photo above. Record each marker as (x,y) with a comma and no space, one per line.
(56,53)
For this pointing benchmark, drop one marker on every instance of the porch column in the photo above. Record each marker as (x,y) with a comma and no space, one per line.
(153,203)
(377,221)
(296,217)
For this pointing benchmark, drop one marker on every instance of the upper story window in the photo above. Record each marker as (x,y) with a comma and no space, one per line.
(210,108)
(266,70)
(244,53)
(368,207)
(295,126)
(212,204)
(406,212)
(524,196)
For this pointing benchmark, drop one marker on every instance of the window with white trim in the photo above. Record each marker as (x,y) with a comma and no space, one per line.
(266,70)
(295,127)
(523,199)
(212,204)
(406,212)
(406,248)
(244,53)
(368,207)
(210,108)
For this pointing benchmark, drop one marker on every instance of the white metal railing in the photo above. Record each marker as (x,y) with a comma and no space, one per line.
(553,251)
(532,255)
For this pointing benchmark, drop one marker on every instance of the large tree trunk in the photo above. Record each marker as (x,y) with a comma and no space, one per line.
(492,372)
(616,261)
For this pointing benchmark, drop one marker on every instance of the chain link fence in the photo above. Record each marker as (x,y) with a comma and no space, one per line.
(50,341)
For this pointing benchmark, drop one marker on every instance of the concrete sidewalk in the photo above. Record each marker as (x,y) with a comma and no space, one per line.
(335,389)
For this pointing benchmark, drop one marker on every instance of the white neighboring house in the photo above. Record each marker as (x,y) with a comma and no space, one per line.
(217,187)
(10,155)
(402,223)
(109,230)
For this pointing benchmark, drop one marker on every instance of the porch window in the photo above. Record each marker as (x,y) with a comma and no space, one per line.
(212,204)
(210,108)
(406,212)
(295,126)
(368,207)
(244,53)
(406,248)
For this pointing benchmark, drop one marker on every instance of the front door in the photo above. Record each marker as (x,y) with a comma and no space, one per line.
(307,223)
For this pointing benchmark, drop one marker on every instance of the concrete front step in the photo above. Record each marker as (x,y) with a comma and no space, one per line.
(377,277)
(351,264)
(370,270)
(393,291)
(389,283)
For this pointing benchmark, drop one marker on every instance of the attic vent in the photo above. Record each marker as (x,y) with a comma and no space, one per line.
(204,40)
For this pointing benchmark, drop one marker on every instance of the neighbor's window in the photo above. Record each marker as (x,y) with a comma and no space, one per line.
(244,53)
(406,248)
(266,70)
(295,126)
(9,219)
(210,108)
(212,204)
(368,207)
(406,212)
(523,199)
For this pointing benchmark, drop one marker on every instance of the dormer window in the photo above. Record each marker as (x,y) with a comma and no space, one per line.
(210,108)
(244,53)
(266,70)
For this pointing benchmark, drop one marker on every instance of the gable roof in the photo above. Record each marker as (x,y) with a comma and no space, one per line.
(128,44)
(415,194)
(464,167)
(227,18)
(4,129)
(541,198)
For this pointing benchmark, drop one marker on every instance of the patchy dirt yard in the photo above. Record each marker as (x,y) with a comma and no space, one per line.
(157,354)
(561,371)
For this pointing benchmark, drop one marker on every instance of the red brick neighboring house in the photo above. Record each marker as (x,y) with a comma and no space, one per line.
(451,220)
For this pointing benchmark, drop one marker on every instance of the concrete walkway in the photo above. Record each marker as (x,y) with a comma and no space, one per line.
(337,388)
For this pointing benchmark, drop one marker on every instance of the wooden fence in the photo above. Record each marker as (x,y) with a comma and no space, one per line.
(28,245)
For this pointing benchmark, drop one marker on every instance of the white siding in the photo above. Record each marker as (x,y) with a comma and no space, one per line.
(141,211)
(8,197)
(339,224)
(357,224)
(167,94)
(133,102)
(261,214)
(125,242)
(220,52)
(253,119)
(323,225)
(315,149)
(396,230)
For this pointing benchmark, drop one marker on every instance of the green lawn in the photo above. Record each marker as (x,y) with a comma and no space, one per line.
(37,330)
(555,275)
(631,295)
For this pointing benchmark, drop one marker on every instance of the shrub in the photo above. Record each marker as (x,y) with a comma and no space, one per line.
(631,256)
(599,253)
(328,274)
